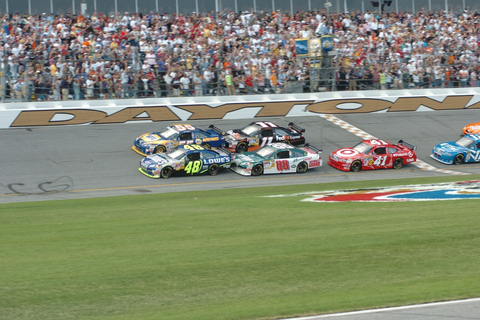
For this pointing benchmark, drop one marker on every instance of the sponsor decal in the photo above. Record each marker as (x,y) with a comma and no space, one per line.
(462,190)
(76,116)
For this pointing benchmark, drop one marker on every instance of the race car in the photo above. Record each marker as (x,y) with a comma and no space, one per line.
(175,135)
(472,128)
(260,133)
(373,154)
(191,159)
(464,150)
(277,158)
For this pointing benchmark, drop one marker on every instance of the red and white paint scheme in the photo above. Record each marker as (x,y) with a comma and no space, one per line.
(373,154)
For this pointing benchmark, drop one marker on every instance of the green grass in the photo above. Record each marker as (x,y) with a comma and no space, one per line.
(231,254)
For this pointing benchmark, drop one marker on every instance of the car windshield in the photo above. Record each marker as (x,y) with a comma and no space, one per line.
(250,130)
(465,142)
(168,132)
(177,154)
(266,152)
(363,147)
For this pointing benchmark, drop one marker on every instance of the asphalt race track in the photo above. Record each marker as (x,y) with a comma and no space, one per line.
(52,163)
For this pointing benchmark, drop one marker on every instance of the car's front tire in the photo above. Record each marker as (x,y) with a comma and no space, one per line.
(257,170)
(302,167)
(397,163)
(459,158)
(160,149)
(356,166)
(166,172)
(213,169)
(242,146)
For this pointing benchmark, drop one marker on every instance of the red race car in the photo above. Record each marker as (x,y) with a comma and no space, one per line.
(373,154)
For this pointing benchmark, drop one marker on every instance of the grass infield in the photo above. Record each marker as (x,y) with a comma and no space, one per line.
(231,254)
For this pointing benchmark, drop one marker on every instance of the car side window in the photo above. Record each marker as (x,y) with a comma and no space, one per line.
(193,156)
(380,150)
(283,154)
(281,132)
(392,150)
(200,135)
(477,146)
(186,136)
(267,133)
(207,155)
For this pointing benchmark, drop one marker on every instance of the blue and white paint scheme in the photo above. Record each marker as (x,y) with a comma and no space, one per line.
(464,150)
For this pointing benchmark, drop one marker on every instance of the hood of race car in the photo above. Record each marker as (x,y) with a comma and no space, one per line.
(345,154)
(247,157)
(150,138)
(235,136)
(154,160)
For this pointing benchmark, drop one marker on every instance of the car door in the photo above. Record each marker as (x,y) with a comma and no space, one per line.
(281,162)
(193,163)
(266,137)
(381,158)
(185,137)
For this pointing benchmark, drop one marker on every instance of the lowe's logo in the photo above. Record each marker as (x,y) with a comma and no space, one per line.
(215,160)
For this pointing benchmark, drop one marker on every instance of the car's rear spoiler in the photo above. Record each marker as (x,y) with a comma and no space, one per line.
(216,129)
(314,149)
(406,144)
(296,128)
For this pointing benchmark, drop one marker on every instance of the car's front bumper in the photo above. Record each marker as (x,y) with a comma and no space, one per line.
(149,173)
(239,170)
(344,166)
(441,158)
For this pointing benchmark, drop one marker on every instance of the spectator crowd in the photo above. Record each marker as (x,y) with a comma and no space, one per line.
(97,56)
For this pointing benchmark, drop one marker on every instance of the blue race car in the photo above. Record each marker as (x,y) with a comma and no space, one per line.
(464,150)
(175,135)
(190,159)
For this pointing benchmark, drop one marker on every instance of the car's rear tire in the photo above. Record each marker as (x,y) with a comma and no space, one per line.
(242,146)
(159,149)
(166,172)
(398,163)
(257,170)
(459,158)
(356,166)
(302,167)
(213,169)
(207,146)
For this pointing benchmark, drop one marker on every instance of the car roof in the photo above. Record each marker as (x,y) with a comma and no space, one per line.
(280,145)
(475,137)
(186,126)
(264,124)
(378,143)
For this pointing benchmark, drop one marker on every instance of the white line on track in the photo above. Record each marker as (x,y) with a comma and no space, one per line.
(366,136)
(352,313)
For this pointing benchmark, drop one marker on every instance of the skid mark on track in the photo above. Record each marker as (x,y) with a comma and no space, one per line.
(366,136)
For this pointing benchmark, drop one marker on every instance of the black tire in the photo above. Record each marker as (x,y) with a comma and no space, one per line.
(213,169)
(302,167)
(242,146)
(257,170)
(356,166)
(459,158)
(160,149)
(207,146)
(166,172)
(398,163)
